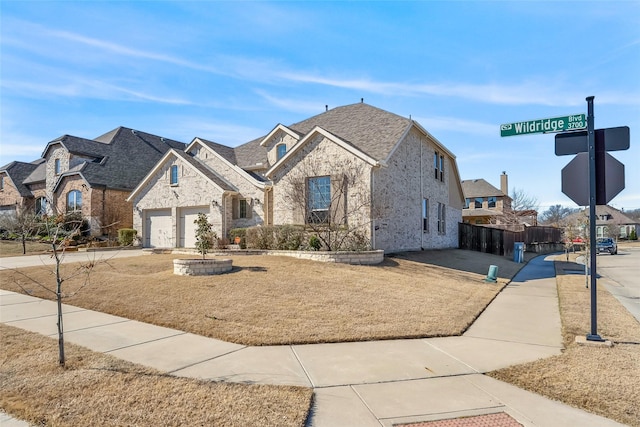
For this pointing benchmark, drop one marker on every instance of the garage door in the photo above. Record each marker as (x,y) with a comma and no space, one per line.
(158,230)
(187,230)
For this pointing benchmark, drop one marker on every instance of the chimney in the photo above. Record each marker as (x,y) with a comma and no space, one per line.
(504,183)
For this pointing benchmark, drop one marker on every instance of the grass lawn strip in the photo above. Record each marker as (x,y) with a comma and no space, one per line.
(100,390)
(271,300)
(604,381)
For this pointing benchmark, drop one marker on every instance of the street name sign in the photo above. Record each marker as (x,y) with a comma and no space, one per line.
(555,124)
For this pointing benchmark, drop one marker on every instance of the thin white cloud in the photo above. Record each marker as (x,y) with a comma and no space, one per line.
(526,93)
(455,124)
(292,105)
(82,88)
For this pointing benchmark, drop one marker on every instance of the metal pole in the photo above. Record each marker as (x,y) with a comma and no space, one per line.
(591,141)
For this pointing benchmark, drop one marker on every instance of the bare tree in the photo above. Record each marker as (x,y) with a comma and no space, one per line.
(556,215)
(23,222)
(60,230)
(330,198)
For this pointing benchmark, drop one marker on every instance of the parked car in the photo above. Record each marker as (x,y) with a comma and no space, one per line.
(607,244)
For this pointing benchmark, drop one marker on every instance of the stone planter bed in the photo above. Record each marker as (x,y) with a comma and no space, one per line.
(201,267)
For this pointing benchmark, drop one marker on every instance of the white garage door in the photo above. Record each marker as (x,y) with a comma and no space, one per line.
(158,229)
(187,230)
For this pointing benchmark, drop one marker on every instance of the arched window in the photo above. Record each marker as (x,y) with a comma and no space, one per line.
(41,206)
(74,201)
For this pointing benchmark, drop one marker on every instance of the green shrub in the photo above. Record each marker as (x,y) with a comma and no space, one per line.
(259,237)
(315,243)
(126,236)
(288,237)
(633,235)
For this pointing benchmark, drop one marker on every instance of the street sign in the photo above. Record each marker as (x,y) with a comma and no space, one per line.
(555,124)
(609,179)
(614,139)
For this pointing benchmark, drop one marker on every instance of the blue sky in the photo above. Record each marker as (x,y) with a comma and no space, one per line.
(230,71)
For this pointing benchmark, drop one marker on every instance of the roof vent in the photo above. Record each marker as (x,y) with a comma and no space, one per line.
(361,100)
(133,131)
(326,108)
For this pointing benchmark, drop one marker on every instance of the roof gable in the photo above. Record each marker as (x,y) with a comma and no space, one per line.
(18,173)
(198,167)
(309,137)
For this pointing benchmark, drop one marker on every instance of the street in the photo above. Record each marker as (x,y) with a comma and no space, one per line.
(623,274)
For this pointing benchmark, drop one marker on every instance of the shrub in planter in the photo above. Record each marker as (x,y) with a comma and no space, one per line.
(126,236)
(205,236)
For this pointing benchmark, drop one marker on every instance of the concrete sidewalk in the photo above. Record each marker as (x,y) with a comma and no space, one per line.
(377,383)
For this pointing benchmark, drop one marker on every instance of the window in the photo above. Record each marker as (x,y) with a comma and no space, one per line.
(173,180)
(281,150)
(1,182)
(74,201)
(441,218)
(56,166)
(492,201)
(425,215)
(478,202)
(318,199)
(243,208)
(41,206)
(438,163)
(467,202)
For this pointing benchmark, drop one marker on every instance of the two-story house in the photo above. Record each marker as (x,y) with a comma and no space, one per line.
(90,176)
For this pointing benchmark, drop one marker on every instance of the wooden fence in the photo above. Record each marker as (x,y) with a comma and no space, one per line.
(500,242)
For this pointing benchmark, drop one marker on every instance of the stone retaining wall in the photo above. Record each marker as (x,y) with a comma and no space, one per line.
(354,258)
(201,267)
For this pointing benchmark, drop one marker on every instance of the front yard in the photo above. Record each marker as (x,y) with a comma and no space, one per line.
(269,300)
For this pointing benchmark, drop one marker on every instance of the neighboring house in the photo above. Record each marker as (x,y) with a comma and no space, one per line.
(408,182)
(610,222)
(484,203)
(14,193)
(92,176)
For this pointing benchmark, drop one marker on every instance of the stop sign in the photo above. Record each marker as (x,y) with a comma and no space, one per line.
(609,179)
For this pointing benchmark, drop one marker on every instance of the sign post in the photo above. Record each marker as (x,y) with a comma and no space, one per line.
(593,250)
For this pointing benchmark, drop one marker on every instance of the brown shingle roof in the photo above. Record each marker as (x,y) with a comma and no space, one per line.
(479,188)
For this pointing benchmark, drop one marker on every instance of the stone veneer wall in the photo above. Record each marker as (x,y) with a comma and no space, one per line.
(401,186)
(353,258)
(201,267)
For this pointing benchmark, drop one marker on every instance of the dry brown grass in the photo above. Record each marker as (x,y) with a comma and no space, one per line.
(14,248)
(99,390)
(604,381)
(281,300)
